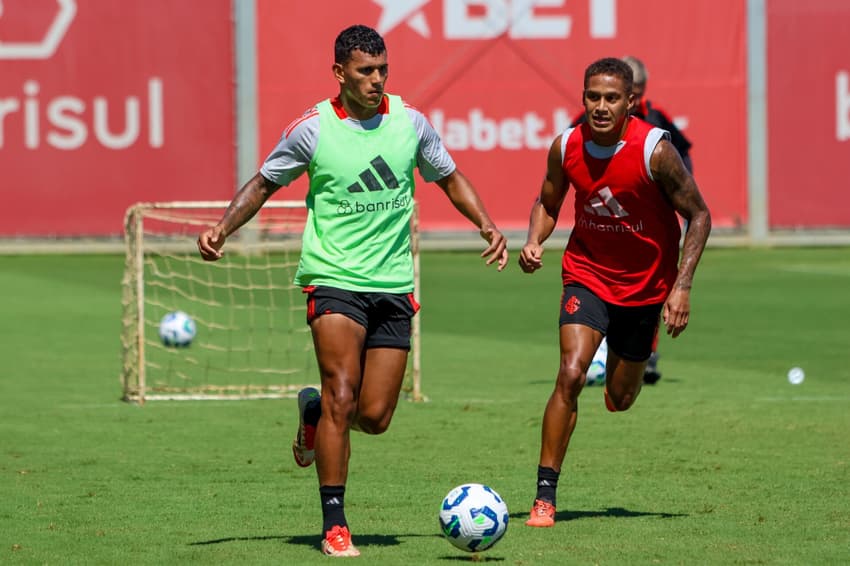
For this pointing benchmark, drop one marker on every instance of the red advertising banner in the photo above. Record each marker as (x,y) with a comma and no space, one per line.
(103,104)
(808,85)
(499,79)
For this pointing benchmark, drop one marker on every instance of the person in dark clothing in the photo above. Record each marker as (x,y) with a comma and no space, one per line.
(647,111)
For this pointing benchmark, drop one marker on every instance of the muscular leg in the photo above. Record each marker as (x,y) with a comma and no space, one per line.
(633,331)
(578,344)
(338,342)
(359,389)
(623,381)
(383,375)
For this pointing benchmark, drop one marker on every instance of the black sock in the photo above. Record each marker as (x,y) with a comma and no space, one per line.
(333,506)
(547,484)
(312,412)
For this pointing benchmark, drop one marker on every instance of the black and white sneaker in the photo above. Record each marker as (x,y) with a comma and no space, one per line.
(651,375)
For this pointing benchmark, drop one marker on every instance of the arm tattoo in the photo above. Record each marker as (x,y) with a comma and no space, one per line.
(246,203)
(682,191)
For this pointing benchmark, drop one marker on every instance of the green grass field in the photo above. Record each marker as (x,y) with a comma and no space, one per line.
(722,462)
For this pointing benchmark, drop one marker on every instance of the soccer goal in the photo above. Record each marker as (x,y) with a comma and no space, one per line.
(252,340)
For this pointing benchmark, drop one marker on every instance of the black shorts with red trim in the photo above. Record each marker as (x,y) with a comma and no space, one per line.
(385,316)
(630,331)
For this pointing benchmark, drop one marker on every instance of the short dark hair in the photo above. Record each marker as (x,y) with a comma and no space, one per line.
(610,66)
(359,37)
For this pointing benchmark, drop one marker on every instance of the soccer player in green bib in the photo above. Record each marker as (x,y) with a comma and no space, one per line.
(359,150)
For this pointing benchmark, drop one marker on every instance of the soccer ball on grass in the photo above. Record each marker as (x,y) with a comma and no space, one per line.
(177,329)
(473,517)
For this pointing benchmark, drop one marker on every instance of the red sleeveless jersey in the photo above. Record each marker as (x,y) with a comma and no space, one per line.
(625,243)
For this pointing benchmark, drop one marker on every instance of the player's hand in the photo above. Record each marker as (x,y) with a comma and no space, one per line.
(498,248)
(210,242)
(677,311)
(531,258)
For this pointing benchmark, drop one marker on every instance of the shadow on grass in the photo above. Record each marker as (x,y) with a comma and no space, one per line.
(610,512)
(236,539)
(471,557)
(362,541)
(315,540)
(394,540)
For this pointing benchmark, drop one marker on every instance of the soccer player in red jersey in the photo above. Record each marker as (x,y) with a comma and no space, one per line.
(651,113)
(621,268)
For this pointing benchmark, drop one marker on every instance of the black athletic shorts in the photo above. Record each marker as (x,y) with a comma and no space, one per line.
(630,330)
(385,316)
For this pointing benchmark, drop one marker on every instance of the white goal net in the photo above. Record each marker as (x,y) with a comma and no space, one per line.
(252,340)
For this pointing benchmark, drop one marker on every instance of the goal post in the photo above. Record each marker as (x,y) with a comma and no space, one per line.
(252,339)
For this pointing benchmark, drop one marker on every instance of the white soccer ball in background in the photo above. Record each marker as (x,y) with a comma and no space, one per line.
(473,517)
(596,371)
(177,329)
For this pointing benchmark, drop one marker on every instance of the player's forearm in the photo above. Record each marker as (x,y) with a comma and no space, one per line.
(541,224)
(474,210)
(699,227)
(246,203)
(464,198)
